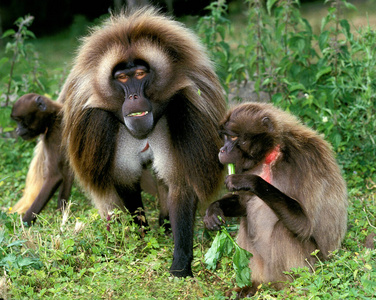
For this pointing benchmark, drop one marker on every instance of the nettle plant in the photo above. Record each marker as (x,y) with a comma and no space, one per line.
(19,52)
(326,78)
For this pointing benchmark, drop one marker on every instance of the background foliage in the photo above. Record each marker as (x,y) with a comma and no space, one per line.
(324,75)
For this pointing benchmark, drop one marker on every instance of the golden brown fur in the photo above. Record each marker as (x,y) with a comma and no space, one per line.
(105,156)
(34,181)
(281,231)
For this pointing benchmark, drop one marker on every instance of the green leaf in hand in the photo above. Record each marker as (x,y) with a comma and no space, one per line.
(224,244)
(241,266)
(231,169)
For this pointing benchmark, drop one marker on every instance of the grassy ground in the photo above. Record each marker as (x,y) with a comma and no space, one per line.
(75,257)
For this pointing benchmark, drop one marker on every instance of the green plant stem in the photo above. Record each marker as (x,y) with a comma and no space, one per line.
(15,55)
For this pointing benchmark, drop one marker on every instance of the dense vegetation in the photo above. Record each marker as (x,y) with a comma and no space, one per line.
(327,77)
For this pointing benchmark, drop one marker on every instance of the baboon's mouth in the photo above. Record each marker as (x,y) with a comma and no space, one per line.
(138,114)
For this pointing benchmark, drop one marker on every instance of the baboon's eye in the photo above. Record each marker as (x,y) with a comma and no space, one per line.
(140,74)
(122,77)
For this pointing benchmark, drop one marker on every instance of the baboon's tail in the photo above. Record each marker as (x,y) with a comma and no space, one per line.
(34,180)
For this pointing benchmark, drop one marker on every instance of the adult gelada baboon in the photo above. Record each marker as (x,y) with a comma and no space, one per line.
(287,188)
(38,115)
(142,91)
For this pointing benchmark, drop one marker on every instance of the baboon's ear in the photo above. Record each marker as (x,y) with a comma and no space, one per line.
(267,123)
(42,106)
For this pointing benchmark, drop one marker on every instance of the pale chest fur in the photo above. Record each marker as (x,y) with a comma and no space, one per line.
(133,154)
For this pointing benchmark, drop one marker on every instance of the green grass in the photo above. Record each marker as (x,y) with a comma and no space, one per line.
(76,257)
(61,48)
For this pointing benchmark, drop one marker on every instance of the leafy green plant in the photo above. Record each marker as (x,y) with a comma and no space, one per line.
(223,244)
(17,47)
(13,257)
(21,53)
(214,28)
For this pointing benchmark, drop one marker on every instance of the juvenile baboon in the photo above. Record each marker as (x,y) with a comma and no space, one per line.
(38,115)
(287,188)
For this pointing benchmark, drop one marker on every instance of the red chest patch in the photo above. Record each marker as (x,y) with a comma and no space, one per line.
(266,173)
(146,147)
